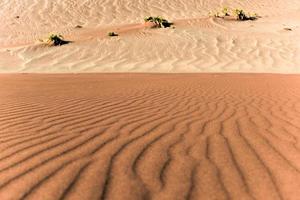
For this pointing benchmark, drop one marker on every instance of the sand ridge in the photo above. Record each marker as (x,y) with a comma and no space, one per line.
(197,44)
(149,136)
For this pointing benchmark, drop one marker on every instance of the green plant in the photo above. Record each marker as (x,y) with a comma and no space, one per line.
(216,14)
(56,40)
(241,15)
(158,21)
(112,34)
(220,14)
(225,11)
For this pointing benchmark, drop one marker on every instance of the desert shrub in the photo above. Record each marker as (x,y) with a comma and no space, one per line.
(220,13)
(158,21)
(56,40)
(112,34)
(225,11)
(241,15)
(214,14)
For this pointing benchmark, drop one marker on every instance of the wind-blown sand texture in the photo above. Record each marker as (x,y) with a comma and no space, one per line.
(150,136)
(198,43)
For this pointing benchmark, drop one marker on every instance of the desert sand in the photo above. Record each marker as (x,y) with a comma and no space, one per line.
(198,43)
(149,136)
(162,130)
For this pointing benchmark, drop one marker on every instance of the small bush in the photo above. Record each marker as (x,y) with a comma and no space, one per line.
(215,14)
(225,11)
(56,40)
(241,15)
(158,21)
(112,34)
(220,14)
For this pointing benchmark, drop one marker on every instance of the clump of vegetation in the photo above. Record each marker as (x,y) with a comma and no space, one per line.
(241,15)
(159,22)
(55,40)
(220,14)
(214,14)
(225,11)
(78,26)
(112,34)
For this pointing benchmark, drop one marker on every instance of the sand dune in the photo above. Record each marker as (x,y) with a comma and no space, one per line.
(197,44)
(126,136)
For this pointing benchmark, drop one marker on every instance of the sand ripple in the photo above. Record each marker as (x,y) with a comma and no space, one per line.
(197,44)
(149,136)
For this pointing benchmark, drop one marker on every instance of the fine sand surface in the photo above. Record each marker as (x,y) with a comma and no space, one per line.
(150,136)
(198,43)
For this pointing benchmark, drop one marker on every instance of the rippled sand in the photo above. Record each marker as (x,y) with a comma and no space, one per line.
(197,44)
(149,136)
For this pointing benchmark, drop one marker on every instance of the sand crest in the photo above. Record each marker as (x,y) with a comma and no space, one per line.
(149,136)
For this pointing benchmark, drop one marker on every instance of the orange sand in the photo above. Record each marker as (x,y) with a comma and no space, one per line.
(198,43)
(138,136)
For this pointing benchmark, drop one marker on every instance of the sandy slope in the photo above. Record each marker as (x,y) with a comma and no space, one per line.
(208,136)
(197,44)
